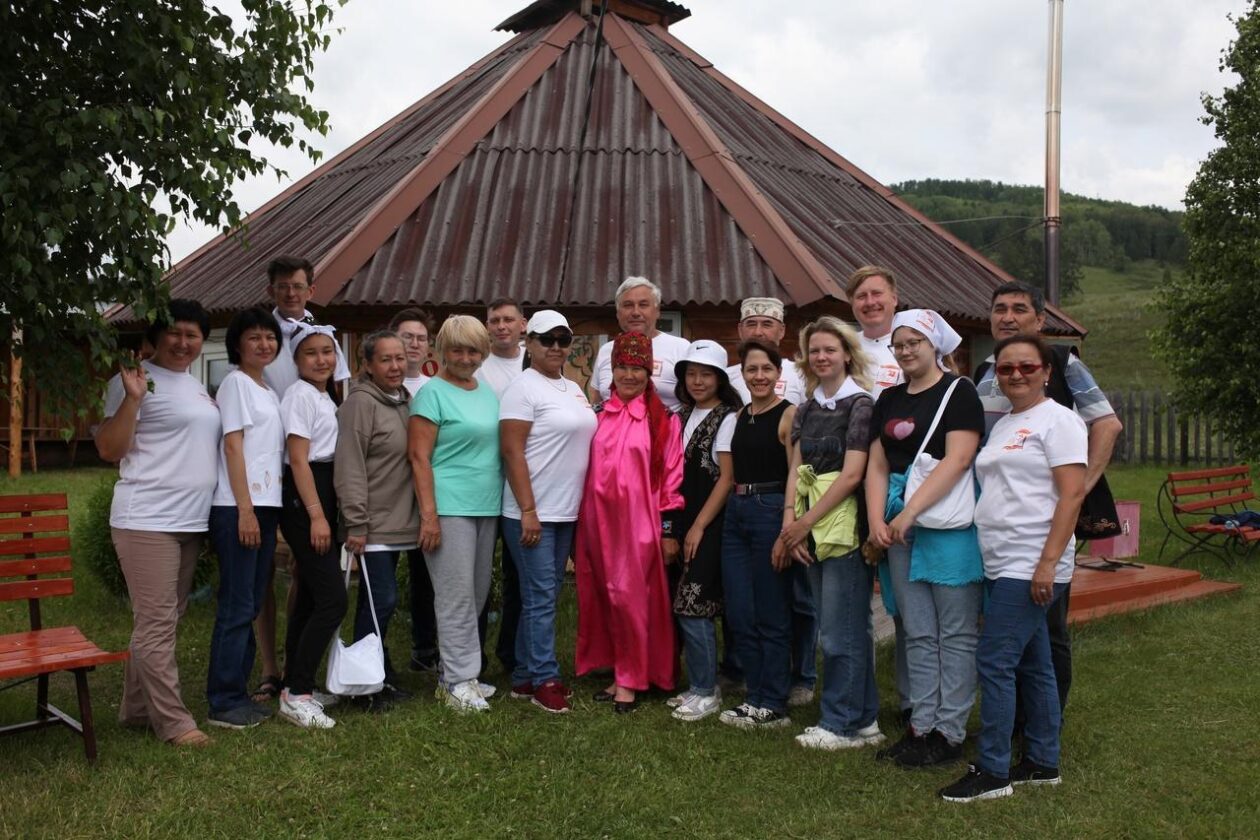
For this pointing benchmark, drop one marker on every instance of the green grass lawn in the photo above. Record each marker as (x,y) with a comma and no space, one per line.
(1118,311)
(1159,742)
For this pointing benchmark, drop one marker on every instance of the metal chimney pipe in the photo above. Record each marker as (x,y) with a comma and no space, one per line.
(1054,110)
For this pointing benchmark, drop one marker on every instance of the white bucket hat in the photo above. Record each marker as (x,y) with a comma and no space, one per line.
(702,352)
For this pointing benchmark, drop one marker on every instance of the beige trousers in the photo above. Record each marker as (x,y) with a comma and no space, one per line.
(159,569)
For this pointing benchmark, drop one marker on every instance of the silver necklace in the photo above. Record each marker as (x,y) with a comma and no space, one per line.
(564,383)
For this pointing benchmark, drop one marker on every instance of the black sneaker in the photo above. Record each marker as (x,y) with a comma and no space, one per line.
(242,717)
(373,704)
(934,750)
(426,663)
(1030,773)
(976,785)
(393,694)
(908,741)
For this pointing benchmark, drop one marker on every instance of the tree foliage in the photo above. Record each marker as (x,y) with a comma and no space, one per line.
(1209,339)
(119,118)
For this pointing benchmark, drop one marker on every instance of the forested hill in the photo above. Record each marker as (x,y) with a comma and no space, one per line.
(1006,226)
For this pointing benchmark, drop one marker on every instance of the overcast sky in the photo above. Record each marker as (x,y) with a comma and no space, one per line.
(903,88)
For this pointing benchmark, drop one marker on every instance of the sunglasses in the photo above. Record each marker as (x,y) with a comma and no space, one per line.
(549,340)
(1024,368)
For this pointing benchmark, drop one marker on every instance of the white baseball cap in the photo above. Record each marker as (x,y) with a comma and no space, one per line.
(546,320)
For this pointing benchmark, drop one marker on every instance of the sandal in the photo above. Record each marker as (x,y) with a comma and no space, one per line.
(268,689)
(191,738)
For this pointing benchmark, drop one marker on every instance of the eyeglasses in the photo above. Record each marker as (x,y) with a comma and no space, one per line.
(1024,368)
(549,340)
(285,288)
(412,338)
(911,346)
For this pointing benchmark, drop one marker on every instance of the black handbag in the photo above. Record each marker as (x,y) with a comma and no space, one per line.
(1098,519)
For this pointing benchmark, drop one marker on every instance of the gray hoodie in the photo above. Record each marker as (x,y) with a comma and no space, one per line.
(372,473)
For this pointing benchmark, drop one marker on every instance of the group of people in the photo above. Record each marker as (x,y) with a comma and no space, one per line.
(765,497)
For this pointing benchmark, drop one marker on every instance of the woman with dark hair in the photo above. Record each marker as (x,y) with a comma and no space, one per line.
(372,478)
(309,411)
(1032,465)
(165,441)
(635,470)
(707,413)
(245,514)
(759,592)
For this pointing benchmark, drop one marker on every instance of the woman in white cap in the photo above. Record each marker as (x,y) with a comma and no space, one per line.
(934,574)
(545,430)
(693,541)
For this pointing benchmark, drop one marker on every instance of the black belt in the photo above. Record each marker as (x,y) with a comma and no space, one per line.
(760,488)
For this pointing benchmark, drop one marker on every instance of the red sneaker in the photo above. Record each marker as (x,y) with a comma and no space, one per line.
(522,691)
(552,696)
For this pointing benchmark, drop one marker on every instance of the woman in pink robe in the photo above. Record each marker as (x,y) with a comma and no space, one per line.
(624,608)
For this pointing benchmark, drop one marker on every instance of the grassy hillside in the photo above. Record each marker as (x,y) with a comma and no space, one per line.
(1117,309)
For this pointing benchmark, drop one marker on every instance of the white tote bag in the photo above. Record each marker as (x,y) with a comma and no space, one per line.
(357,669)
(957,508)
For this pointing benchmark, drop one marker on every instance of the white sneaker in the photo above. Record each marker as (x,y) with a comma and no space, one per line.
(698,707)
(464,697)
(487,690)
(325,699)
(817,738)
(303,711)
(800,695)
(743,716)
(678,699)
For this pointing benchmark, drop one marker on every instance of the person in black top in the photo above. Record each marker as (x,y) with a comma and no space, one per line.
(935,577)
(758,592)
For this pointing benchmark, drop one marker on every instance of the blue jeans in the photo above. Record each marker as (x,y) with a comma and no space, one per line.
(758,599)
(941,627)
(540,573)
(381,570)
(1014,642)
(699,638)
(243,576)
(842,594)
(804,626)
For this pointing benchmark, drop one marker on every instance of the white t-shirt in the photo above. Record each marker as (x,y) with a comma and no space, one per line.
(166,480)
(499,373)
(666,351)
(791,385)
(558,446)
(413,386)
(246,405)
(282,372)
(310,413)
(722,440)
(883,370)
(1017,492)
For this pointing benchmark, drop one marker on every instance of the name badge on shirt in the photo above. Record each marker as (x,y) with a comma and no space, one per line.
(780,387)
(887,375)
(657,367)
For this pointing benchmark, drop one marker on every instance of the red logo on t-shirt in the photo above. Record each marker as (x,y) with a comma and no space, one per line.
(899,428)
(1016,440)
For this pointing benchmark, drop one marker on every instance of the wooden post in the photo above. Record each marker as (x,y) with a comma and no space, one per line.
(15,405)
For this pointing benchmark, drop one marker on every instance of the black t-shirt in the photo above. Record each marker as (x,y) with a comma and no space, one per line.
(902,419)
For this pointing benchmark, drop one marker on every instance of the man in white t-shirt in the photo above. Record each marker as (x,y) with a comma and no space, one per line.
(638,302)
(506,324)
(872,294)
(415,327)
(761,319)
(291,283)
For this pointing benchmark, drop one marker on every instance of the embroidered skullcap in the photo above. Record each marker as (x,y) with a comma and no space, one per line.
(761,307)
(941,335)
(632,349)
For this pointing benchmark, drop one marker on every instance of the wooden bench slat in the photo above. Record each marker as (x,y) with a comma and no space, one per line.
(1209,504)
(27,638)
(36,566)
(1221,487)
(38,545)
(61,663)
(1218,472)
(42,650)
(30,503)
(52,587)
(34,524)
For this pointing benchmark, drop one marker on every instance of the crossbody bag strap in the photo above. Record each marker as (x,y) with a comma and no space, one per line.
(363,581)
(940,411)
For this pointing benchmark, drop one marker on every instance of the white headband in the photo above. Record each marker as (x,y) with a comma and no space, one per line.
(302,331)
(941,335)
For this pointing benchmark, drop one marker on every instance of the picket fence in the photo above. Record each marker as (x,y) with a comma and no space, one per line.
(1156,433)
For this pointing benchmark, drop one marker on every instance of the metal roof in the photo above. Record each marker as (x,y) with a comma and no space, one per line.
(490,186)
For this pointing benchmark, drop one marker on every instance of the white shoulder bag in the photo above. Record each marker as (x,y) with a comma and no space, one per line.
(957,508)
(357,669)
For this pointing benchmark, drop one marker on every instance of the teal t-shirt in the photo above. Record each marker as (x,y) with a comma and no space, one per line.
(467,472)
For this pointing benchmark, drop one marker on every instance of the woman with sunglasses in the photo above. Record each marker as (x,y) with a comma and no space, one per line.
(545,430)
(935,574)
(1033,463)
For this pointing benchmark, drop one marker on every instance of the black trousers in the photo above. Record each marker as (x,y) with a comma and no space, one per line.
(321,591)
(1060,655)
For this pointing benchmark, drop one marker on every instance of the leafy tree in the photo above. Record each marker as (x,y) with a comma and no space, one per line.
(1209,339)
(118,118)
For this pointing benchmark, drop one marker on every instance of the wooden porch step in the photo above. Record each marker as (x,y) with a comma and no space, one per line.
(1093,588)
(1159,597)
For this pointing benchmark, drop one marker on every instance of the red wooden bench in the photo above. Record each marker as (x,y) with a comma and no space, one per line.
(34,542)
(1189,500)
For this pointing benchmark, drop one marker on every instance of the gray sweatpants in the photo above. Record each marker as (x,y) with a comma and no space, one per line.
(460,569)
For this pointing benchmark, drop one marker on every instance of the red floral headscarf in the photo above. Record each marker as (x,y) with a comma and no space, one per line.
(634,349)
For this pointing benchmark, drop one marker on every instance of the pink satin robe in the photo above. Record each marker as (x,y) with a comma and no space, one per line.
(624,611)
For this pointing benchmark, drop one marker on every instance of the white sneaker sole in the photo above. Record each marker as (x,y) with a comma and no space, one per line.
(298,722)
(991,794)
(737,722)
(691,717)
(223,724)
(1046,782)
(836,746)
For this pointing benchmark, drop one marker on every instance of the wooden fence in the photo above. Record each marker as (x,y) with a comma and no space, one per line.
(1156,433)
